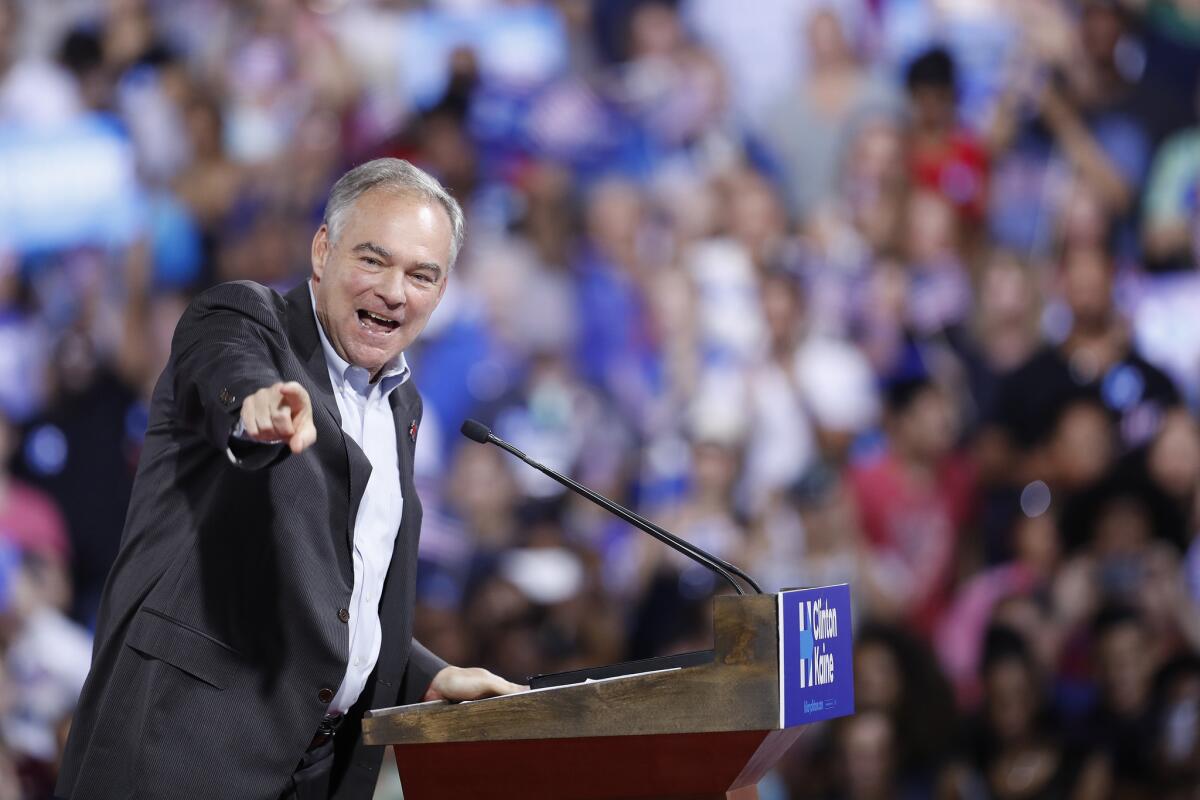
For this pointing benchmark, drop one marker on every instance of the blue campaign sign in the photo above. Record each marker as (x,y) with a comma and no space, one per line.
(66,186)
(816,642)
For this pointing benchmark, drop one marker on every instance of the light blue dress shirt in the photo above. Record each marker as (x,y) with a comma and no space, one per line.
(367,419)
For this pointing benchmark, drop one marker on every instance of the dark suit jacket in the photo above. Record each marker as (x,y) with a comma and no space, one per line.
(220,638)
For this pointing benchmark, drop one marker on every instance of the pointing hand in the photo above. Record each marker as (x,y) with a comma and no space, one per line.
(279,413)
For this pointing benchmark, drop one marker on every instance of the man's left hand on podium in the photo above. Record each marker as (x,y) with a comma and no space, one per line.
(455,684)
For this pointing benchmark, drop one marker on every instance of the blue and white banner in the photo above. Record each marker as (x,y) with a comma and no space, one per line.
(71,185)
(816,643)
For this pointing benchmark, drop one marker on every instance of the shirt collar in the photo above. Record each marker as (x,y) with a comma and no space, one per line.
(394,373)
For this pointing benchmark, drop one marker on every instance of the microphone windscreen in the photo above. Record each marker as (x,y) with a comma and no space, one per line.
(476,431)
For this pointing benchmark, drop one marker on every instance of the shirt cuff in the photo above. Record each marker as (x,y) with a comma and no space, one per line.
(238,434)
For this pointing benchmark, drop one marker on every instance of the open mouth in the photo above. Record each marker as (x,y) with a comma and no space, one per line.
(374,322)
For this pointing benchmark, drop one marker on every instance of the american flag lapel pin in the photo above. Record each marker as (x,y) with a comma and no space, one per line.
(412,431)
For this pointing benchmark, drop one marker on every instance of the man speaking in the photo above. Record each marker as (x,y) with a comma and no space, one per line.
(262,599)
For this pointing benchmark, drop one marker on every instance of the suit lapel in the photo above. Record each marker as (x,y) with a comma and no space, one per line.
(307,346)
(306,343)
(406,411)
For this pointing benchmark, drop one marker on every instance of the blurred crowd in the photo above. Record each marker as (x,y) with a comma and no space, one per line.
(899,293)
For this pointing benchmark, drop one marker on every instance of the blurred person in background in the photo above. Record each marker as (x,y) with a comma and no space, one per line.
(521,277)
(905,748)
(1173,464)
(281,63)
(1102,80)
(781,444)
(938,292)
(1119,732)
(914,302)
(1125,540)
(482,503)
(1018,588)
(82,449)
(46,660)
(866,748)
(917,502)
(82,446)
(1096,356)
(542,609)
(46,655)
(809,394)
(1177,730)
(618,345)
(809,535)
(1170,208)
(1058,124)
(1083,445)
(1017,745)
(210,184)
(754,217)
(946,157)
(806,128)
(29,518)
(758,52)
(1003,332)
(1169,31)
(706,514)
(851,242)
(23,344)
(566,424)
(725,271)
(796,437)
(672,84)
(15,785)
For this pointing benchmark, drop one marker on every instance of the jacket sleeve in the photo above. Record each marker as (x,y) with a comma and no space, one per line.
(423,665)
(226,347)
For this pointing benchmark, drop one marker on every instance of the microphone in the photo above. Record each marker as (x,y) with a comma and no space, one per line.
(478,432)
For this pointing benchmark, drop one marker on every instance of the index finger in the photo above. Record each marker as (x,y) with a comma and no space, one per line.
(295,395)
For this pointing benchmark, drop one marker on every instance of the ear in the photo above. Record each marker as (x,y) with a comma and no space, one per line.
(320,252)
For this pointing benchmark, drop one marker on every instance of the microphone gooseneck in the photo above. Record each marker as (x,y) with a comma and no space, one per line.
(478,432)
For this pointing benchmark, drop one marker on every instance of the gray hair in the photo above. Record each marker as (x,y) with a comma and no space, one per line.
(395,175)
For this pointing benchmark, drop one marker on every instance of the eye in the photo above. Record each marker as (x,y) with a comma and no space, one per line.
(375,262)
(423,277)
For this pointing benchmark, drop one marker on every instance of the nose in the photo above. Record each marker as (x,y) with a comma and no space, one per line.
(391,288)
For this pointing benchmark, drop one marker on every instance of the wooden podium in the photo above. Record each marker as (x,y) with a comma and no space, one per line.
(705,731)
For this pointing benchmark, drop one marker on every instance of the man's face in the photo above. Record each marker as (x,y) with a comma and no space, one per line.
(377,284)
